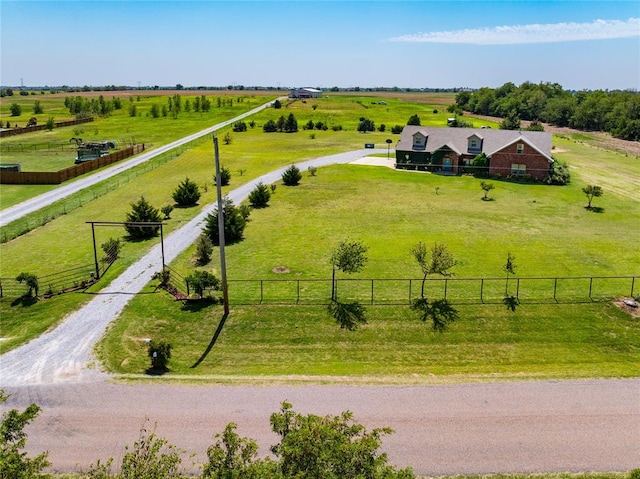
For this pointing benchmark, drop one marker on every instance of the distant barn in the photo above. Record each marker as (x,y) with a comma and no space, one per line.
(305,93)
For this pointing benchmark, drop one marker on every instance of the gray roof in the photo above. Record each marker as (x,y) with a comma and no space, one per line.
(457,139)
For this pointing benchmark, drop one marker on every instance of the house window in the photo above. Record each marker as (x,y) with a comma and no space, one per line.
(419,141)
(520,147)
(518,169)
(474,145)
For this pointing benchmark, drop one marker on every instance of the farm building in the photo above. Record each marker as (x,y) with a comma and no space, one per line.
(510,152)
(305,93)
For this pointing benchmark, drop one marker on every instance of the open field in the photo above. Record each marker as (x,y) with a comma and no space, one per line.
(546,228)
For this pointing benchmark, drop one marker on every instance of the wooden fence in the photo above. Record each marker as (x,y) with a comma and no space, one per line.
(30,129)
(57,177)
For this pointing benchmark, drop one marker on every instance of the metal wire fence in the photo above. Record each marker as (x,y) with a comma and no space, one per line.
(399,291)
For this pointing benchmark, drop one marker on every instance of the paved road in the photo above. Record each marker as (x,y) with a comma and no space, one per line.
(590,425)
(34,204)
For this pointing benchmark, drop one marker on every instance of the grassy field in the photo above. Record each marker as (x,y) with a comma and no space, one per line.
(546,228)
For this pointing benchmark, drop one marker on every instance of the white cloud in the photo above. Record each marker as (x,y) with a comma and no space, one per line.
(535,33)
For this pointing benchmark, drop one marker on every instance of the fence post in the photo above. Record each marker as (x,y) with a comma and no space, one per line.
(372,291)
(261,291)
(445,288)
(555,287)
(590,286)
(518,288)
(409,292)
(633,281)
(481,288)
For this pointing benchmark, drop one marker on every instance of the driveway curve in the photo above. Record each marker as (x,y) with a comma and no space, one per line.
(63,353)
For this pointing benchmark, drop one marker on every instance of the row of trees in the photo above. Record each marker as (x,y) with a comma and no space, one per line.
(309,446)
(616,112)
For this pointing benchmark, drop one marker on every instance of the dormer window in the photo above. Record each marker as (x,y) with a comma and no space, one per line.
(419,141)
(520,147)
(474,144)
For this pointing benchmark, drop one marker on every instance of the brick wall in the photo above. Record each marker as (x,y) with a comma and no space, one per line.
(536,164)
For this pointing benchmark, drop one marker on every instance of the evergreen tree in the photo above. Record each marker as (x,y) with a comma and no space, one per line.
(234,223)
(260,196)
(142,212)
(291,176)
(187,193)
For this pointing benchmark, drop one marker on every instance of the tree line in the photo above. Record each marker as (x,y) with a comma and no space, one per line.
(616,112)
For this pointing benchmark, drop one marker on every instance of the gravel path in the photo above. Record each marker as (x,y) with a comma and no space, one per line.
(64,353)
(526,427)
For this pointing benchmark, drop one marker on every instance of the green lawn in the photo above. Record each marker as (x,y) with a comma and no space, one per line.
(546,228)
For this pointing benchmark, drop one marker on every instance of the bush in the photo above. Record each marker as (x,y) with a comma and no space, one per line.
(111,249)
(13,462)
(270,126)
(160,353)
(225,177)
(558,174)
(291,176)
(166,211)
(50,123)
(259,197)
(204,249)
(142,212)
(15,109)
(187,193)
(239,126)
(234,223)
(397,129)
(199,281)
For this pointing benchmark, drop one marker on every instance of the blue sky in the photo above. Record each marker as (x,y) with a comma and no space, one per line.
(417,44)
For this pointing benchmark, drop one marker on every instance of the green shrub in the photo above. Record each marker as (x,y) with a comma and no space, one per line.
(291,176)
(199,281)
(558,174)
(204,249)
(187,193)
(142,212)
(31,281)
(160,353)
(235,222)
(260,196)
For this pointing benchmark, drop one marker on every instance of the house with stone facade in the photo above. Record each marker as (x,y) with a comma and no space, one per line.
(452,150)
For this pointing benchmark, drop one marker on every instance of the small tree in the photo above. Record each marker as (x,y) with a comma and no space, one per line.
(187,193)
(486,187)
(200,281)
(227,138)
(270,126)
(439,261)
(414,120)
(31,282)
(259,197)
(111,249)
(15,109)
(239,126)
(14,463)
(204,249)
(592,191)
(277,104)
(291,124)
(312,170)
(291,176)
(509,268)
(366,125)
(50,123)
(160,353)
(234,223)
(558,173)
(37,108)
(225,177)
(348,257)
(166,211)
(142,212)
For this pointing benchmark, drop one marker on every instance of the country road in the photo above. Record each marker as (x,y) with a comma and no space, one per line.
(16,212)
(525,427)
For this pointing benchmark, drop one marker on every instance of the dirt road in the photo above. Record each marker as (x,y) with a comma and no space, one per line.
(590,425)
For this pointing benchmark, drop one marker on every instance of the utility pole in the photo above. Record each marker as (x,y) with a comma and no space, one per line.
(223,262)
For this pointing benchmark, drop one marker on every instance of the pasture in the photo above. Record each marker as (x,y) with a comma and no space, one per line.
(546,228)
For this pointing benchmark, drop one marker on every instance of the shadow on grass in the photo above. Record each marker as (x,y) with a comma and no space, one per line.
(156,372)
(212,342)
(196,305)
(24,301)
(594,209)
